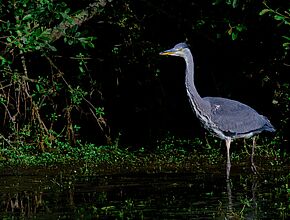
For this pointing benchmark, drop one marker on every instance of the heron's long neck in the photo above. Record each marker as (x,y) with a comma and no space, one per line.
(199,105)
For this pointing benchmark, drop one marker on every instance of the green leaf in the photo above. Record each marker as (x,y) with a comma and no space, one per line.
(27,17)
(264,11)
(37,87)
(91,45)
(70,42)
(241,28)
(81,69)
(279,17)
(52,48)
(67,10)
(234,36)
(286,45)
(287,38)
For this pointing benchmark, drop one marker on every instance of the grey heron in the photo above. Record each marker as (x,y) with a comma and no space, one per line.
(225,118)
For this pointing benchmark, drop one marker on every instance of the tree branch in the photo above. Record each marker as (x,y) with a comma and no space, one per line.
(85,15)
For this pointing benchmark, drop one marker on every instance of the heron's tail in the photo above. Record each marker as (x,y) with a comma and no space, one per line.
(268,126)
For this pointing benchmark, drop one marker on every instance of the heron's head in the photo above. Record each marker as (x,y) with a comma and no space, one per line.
(177,50)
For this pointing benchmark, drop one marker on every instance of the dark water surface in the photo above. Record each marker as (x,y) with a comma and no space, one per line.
(56,195)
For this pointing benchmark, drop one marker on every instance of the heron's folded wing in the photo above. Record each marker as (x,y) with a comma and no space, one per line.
(234,117)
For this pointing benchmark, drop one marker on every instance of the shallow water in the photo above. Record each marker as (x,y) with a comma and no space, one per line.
(55,195)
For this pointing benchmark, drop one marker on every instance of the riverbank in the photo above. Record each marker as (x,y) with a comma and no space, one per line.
(169,155)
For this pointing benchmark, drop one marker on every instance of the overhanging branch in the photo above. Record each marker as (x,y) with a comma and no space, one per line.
(78,19)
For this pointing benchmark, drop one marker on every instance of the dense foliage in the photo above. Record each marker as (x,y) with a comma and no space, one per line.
(89,71)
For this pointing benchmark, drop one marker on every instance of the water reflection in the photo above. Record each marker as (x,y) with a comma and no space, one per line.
(144,196)
(233,212)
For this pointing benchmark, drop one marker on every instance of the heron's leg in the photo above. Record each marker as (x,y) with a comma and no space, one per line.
(253,167)
(228,144)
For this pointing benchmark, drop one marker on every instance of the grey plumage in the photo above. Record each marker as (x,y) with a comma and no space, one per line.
(228,119)
(235,119)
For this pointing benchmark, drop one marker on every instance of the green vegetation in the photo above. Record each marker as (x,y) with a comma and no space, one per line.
(80,83)
(170,155)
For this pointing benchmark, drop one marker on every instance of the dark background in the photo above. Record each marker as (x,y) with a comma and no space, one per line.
(144,93)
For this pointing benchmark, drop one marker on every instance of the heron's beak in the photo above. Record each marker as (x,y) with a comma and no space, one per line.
(170,52)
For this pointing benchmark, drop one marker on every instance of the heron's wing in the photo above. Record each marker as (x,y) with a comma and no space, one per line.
(235,117)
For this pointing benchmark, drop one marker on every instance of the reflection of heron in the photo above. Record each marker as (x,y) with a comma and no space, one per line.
(225,118)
